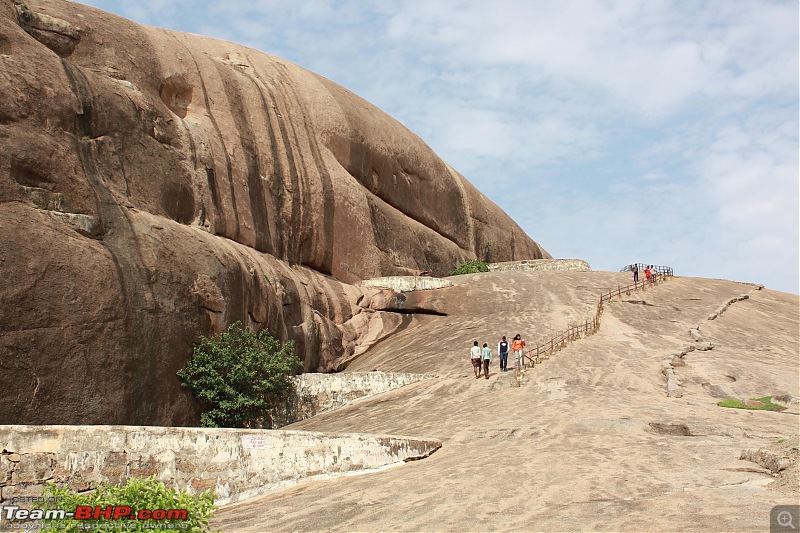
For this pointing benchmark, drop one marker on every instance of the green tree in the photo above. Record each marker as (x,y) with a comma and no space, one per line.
(238,374)
(470,266)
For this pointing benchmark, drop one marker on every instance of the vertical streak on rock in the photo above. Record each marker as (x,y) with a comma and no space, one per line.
(320,260)
(467,209)
(252,160)
(277,176)
(300,216)
(513,246)
(302,323)
(291,168)
(222,228)
(219,221)
(271,301)
(201,216)
(119,238)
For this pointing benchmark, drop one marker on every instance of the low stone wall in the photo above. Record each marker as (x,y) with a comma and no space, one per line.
(406,283)
(236,463)
(575,265)
(318,393)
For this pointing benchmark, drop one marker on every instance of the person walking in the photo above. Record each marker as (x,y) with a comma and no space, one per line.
(635,270)
(486,355)
(502,351)
(647,273)
(475,357)
(516,346)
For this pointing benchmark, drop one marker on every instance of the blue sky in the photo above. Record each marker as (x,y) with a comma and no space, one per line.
(612,131)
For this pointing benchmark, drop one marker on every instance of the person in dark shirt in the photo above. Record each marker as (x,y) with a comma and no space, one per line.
(502,350)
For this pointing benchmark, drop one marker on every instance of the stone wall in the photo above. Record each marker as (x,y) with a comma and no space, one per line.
(406,283)
(317,393)
(237,463)
(575,265)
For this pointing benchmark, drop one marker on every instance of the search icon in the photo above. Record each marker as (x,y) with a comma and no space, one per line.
(785,519)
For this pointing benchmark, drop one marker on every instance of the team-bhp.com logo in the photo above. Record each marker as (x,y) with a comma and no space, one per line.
(109,517)
(87,512)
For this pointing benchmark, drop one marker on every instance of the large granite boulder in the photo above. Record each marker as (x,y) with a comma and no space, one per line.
(156,186)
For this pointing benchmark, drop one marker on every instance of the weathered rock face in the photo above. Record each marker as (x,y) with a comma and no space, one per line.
(155,186)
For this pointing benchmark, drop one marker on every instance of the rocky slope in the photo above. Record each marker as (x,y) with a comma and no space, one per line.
(589,441)
(155,186)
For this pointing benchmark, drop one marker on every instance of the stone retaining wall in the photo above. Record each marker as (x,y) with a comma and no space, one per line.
(575,265)
(237,463)
(317,393)
(406,283)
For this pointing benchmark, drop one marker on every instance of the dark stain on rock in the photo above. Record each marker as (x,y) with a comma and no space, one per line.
(678,430)
(178,202)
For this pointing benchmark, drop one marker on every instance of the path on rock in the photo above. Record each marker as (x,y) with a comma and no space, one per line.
(589,442)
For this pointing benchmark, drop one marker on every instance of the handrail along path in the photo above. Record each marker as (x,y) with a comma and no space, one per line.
(590,325)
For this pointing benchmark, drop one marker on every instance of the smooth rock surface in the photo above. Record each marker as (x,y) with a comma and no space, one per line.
(589,441)
(156,186)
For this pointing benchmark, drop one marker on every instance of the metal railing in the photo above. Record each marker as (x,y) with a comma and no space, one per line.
(590,325)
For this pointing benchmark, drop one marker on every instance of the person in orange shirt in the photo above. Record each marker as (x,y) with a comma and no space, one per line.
(516,346)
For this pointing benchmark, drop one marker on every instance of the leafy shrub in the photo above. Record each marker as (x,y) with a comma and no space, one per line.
(238,374)
(470,266)
(138,494)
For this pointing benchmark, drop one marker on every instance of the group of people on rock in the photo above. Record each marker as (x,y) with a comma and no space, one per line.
(649,272)
(482,357)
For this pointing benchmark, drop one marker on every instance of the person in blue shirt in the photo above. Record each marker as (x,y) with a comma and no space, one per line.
(486,355)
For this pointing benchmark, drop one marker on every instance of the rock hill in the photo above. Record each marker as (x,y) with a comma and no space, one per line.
(589,441)
(156,185)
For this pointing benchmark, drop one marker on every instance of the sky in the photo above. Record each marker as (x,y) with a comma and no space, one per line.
(614,131)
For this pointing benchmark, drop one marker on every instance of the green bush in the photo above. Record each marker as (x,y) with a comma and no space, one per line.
(766,402)
(137,495)
(470,266)
(238,374)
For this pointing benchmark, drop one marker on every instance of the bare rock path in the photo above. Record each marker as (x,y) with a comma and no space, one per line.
(588,442)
